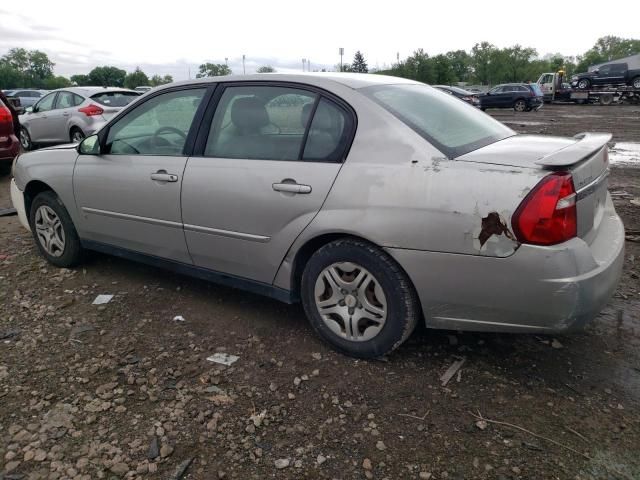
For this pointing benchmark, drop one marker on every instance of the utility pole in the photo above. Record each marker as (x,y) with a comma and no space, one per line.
(341,50)
(226,61)
(308,64)
(244,71)
(303,62)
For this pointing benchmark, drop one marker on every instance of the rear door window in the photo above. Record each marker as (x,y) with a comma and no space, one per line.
(65,100)
(260,122)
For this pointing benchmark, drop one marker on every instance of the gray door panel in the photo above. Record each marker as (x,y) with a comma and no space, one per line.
(237,218)
(121,205)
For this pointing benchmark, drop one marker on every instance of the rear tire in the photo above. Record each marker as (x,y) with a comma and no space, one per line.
(520,105)
(635,83)
(76,135)
(369,306)
(584,84)
(54,232)
(25,139)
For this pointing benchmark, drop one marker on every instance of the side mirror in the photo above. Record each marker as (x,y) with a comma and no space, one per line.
(90,146)
(28,110)
(597,70)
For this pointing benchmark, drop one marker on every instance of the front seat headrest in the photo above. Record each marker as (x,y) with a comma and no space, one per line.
(249,115)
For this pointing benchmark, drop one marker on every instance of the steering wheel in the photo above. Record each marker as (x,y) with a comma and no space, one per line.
(168,129)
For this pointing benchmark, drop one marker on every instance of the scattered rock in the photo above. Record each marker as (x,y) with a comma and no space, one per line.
(154,448)
(321,459)
(366,464)
(166,450)
(119,469)
(380,445)
(282,463)
(556,344)
(482,424)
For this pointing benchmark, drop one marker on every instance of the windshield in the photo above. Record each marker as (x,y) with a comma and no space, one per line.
(452,126)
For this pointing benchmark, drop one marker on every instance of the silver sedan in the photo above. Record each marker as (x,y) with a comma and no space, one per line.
(71,114)
(377,202)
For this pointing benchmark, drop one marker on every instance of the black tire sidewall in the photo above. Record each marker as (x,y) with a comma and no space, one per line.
(402,305)
(73,130)
(72,254)
(517,102)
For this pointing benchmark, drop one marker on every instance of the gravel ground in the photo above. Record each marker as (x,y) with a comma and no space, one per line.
(122,390)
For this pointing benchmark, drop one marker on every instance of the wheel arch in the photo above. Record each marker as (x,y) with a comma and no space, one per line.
(31,191)
(312,245)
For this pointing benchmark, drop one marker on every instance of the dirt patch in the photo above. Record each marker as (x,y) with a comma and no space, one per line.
(122,389)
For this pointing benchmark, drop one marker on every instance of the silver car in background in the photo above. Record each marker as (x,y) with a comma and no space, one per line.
(71,114)
(376,201)
(28,97)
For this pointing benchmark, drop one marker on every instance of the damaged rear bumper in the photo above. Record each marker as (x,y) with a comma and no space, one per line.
(537,289)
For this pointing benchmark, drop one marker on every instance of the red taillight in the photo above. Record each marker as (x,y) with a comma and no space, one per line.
(548,215)
(5,114)
(91,110)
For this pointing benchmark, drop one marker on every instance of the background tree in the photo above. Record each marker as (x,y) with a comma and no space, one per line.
(135,79)
(266,69)
(516,60)
(25,68)
(213,70)
(107,76)
(359,64)
(80,80)
(158,80)
(460,64)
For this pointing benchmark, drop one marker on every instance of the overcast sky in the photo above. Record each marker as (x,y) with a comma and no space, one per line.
(169,37)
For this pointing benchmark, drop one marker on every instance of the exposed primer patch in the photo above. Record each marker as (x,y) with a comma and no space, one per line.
(494,224)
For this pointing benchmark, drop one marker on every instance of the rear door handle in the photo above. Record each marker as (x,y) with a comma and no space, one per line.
(291,188)
(163,176)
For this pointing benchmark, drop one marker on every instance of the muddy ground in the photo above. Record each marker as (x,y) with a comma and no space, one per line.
(124,390)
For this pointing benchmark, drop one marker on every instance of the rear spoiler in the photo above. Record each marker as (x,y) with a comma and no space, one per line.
(586,145)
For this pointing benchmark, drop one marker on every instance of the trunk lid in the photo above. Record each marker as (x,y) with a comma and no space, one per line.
(585,156)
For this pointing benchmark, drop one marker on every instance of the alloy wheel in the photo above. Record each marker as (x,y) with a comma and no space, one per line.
(520,106)
(25,141)
(350,301)
(49,231)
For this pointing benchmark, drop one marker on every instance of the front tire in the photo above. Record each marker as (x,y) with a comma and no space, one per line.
(520,105)
(54,232)
(636,82)
(584,84)
(358,299)
(25,139)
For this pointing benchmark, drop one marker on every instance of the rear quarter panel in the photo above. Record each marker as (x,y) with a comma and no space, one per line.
(398,191)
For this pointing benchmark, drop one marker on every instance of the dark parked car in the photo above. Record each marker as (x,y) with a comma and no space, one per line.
(522,97)
(27,97)
(9,144)
(462,94)
(609,74)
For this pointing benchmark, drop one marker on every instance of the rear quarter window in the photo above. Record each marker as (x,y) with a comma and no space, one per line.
(115,99)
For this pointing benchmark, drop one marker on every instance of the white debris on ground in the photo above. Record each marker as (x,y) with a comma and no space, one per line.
(102,299)
(223,358)
(625,154)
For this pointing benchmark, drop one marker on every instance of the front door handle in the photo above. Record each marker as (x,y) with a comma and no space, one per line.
(291,187)
(163,176)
